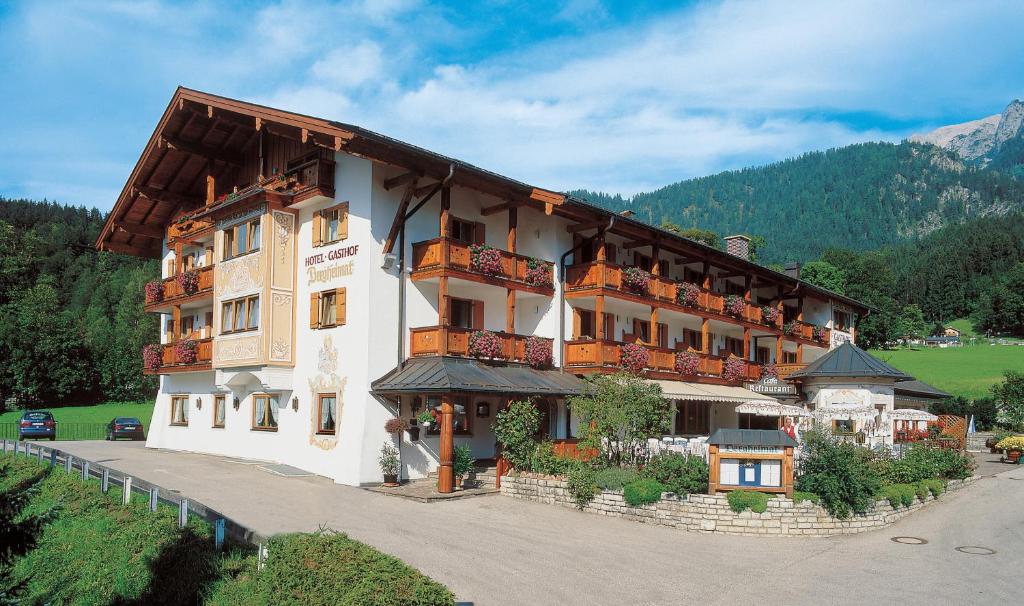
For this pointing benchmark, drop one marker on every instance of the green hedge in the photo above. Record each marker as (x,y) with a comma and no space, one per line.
(615,478)
(744,499)
(642,492)
(681,474)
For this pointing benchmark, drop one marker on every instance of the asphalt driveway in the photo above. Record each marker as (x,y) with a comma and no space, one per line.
(497,550)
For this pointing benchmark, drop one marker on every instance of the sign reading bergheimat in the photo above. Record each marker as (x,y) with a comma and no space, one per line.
(772,385)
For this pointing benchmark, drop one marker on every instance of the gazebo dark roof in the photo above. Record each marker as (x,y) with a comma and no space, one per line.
(920,389)
(848,360)
(447,374)
(751,437)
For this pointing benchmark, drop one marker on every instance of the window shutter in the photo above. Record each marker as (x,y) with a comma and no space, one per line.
(317,229)
(208,260)
(636,328)
(577,322)
(339,306)
(478,233)
(609,253)
(662,334)
(314,310)
(446,317)
(609,326)
(478,315)
(208,328)
(343,221)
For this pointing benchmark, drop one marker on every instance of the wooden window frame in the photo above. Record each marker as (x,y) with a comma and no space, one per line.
(321,225)
(251,244)
(320,431)
(181,400)
(243,304)
(476,313)
(269,398)
(582,317)
(477,229)
(219,403)
(317,310)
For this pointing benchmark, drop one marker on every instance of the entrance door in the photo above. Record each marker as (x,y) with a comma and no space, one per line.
(546,409)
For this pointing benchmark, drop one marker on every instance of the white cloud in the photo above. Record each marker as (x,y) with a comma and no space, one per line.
(350,65)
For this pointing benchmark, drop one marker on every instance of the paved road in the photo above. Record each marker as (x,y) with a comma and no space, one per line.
(495,550)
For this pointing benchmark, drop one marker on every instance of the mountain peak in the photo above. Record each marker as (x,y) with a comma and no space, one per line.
(979,141)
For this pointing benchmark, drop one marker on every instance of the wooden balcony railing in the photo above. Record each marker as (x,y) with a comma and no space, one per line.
(170,362)
(173,290)
(427,341)
(787,369)
(806,331)
(445,253)
(309,176)
(604,354)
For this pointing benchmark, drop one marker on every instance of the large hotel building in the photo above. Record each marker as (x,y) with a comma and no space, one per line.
(320,279)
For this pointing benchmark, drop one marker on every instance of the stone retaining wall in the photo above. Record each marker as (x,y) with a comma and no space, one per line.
(711,513)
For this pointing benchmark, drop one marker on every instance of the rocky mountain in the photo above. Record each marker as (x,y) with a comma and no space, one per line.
(996,139)
(860,197)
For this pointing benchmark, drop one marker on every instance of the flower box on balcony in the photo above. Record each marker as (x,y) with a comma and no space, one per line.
(687,363)
(485,259)
(634,357)
(735,305)
(154,290)
(152,356)
(538,273)
(734,369)
(769,314)
(188,281)
(636,279)
(185,351)
(688,294)
(538,352)
(484,344)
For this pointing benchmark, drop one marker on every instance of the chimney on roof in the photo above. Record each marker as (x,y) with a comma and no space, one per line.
(627,213)
(792,270)
(738,246)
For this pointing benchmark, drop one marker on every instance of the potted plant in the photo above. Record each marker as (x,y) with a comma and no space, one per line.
(427,418)
(188,281)
(735,305)
(390,464)
(733,369)
(185,351)
(769,371)
(152,355)
(538,352)
(462,463)
(1013,446)
(789,328)
(999,436)
(396,426)
(769,314)
(154,291)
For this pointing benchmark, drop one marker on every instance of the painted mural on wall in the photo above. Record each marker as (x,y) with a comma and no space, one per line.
(326,380)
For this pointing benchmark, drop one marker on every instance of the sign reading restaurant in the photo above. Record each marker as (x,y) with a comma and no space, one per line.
(315,273)
(772,386)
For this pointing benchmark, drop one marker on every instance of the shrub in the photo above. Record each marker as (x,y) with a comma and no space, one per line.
(634,357)
(687,293)
(642,492)
(328,567)
(681,474)
(545,460)
(636,279)
(1011,443)
(799,496)
(485,259)
(514,428)
(748,499)
(899,494)
(538,352)
(840,473)
(614,478)
(484,344)
(921,490)
(581,484)
(925,462)
(935,486)
(462,461)
(389,461)
(687,363)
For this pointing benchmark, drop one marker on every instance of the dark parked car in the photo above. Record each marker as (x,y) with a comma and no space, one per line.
(37,424)
(125,427)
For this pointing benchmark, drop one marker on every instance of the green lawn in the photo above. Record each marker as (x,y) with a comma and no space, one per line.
(962,371)
(100,413)
(965,326)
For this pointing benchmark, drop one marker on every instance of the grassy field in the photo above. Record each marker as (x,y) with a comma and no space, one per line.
(100,413)
(962,371)
(965,326)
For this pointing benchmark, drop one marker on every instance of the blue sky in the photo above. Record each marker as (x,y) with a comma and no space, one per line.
(613,96)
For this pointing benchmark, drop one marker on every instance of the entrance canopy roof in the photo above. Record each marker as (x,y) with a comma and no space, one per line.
(446,374)
(681,390)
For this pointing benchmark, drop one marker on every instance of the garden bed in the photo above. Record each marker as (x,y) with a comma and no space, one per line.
(712,513)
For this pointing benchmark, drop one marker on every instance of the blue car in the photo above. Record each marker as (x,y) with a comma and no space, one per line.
(37,424)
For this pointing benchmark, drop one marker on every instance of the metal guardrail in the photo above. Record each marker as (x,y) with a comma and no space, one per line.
(90,470)
(65,431)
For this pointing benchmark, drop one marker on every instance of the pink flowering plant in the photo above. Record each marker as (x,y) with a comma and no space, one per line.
(789,328)
(769,371)
(538,352)
(634,357)
(188,281)
(152,356)
(769,314)
(687,363)
(734,369)
(538,273)
(636,279)
(185,351)
(485,259)
(735,305)
(818,333)
(154,290)
(688,294)
(484,344)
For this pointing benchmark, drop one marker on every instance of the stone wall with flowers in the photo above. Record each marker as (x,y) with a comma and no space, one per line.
(711,513)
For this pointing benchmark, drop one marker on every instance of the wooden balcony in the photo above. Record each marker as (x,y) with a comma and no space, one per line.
(805,331)
(174,293)
(444,256)
(428,341)
(787,369)
(606,356)
(170,364)
(309,176)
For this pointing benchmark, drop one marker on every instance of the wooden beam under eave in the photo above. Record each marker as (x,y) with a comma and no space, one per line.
(396,223)
(585,226)
(198,149)
(497,208)
(638,244)
(127,249)
(161,195)
(547,197)
(138,229)
(394,182)
(426,189)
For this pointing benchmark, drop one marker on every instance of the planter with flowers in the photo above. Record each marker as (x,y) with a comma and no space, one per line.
(636,279)
(789,328)
(154,291)
(185,351)
(188,281)
(769,314)
(1013,446)
(484,344)
(152,356)
(688,294)
(735,305)
(427,418)
(818,333)
(538,273)
(485,259)
(538,352)
(769,371)
(734,369)
(634,357)
(687,363)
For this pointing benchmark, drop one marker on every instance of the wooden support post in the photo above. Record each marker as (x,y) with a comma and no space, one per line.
(176,316)
(445,473)
(746,343)
(787,472)
(105,481)
(177,258)
(126,496)
(154,498)
(705,346)
(778,350)
(652,337)
(510,310)
(800,309)
(707,276)
(513,224)
(799,353)
(599,318)
(211,189)
(715,466)
(442,313)
(446,203)
(655,268)
(746,287)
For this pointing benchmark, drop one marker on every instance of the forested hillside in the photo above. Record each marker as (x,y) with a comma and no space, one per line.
(860,197)
(71,320)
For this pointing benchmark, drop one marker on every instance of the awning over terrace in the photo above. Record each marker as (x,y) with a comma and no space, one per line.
(910,414)
(771,410)
(681,390)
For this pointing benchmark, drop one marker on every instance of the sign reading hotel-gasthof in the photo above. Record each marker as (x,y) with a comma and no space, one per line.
(337,269)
